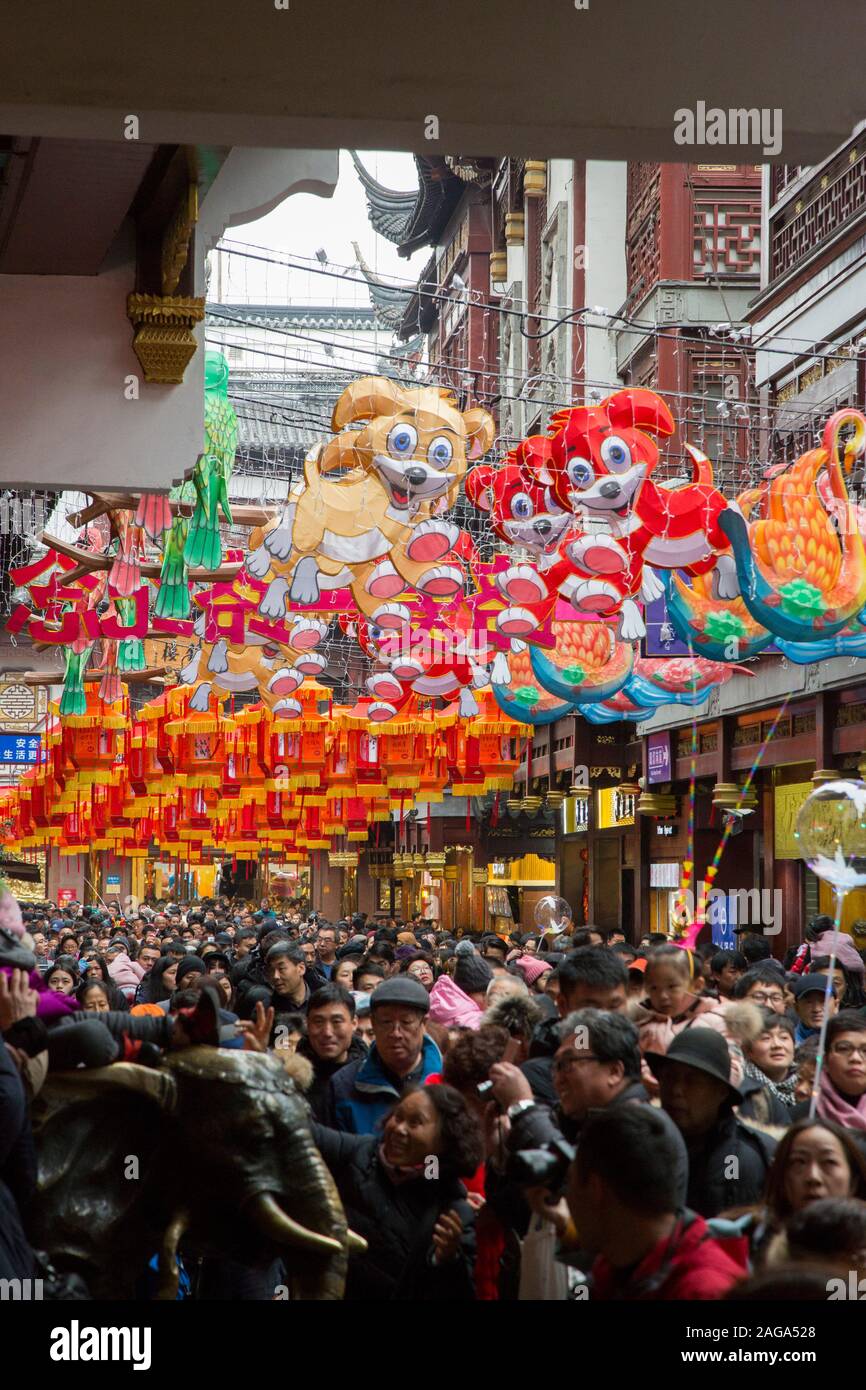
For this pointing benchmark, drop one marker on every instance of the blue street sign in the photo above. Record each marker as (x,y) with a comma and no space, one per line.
(20,748)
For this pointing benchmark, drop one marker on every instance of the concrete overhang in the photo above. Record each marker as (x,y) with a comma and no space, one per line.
(583,79)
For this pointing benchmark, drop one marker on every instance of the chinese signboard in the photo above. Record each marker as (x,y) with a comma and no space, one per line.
(659,757)
(787,802)
(20,748)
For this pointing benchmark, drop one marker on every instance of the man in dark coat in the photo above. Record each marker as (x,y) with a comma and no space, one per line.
(331,1043)
(728,1160)
(402,1056)
(596,1066)
(590,978)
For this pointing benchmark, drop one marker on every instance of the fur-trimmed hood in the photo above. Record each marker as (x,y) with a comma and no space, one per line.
(518,1014)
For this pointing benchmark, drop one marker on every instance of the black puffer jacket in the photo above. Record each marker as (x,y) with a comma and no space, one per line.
(397,1220)
(251,985)
(729,1167)
(320,1093)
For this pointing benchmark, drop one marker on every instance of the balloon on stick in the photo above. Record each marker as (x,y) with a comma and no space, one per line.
(552,914)
(831,830)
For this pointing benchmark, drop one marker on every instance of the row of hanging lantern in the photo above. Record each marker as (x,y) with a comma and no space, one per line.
(179,781)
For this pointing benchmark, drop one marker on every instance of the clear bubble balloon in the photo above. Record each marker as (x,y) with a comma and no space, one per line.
(831,830)
(552,913)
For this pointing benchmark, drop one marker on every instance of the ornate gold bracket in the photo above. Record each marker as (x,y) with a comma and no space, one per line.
(164,342)
(175,242)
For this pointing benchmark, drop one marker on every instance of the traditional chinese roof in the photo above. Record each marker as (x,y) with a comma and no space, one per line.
(389,301)
(282,412)
(412,220)
(422,307)
(345,317)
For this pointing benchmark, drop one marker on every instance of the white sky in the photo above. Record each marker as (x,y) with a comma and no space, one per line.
(303,224)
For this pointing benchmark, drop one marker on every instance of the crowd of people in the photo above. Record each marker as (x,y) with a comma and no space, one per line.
(533,1116)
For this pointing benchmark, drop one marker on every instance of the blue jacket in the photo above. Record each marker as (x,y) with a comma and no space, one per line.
(363,1092)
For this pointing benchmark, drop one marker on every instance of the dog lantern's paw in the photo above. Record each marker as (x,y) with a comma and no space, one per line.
(189,672)
(384,581)
(384,686)
(305,581)
(285,681)
(392,617)
(651,586)
(279,541)
(598,554)
(258,562)
(516,622)
(288,709)
(521,584)
(273,605)
(200,698)
(311,663)
(594,596)
(219,662)
(431,541)
(631,627)
(441,582)
(725,582)
(307,633)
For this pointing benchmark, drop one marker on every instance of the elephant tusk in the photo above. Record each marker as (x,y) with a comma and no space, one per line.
(271,1219)
(167,1264)
(356,1242)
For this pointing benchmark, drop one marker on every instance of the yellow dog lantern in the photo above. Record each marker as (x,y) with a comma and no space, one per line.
(369,512)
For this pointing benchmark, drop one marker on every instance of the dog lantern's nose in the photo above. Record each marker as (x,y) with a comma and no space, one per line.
(543,528)
(415,477)
(610,490)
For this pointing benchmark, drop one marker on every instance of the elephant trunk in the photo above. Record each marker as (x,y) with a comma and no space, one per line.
(306,1221)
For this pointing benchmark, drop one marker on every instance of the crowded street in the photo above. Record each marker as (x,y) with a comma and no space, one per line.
(432,680)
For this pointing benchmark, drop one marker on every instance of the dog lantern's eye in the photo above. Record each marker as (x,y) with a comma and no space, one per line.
(521,506)
(580,472)
(402,441)
(440,451)
(615,453)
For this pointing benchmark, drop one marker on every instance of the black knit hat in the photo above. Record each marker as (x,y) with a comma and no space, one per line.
(471,973)
(186,966)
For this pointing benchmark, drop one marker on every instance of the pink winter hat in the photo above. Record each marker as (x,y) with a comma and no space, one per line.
(10,913)
(531,967)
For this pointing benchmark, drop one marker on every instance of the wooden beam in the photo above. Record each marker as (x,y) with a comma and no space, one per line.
(245,514)
(150,569)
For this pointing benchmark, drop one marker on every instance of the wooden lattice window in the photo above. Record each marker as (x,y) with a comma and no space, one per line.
(826,204)
(536,217)
(727,233)
(642,227)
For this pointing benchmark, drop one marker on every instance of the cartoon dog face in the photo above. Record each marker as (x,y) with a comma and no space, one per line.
(415,440)
(521,507)
(601,454)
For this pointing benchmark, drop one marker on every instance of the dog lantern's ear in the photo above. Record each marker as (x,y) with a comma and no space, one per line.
(637,408)
(535,455)
(366,398)
(479,486)
(480,431)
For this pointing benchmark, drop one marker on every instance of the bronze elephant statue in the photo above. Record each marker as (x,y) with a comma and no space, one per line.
(211,1149)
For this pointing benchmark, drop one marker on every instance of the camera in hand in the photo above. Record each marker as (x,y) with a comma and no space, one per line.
(544,1167)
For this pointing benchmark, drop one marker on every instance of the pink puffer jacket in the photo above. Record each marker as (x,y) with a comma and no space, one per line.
(126,973)
(656,1032)
(451,1007)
